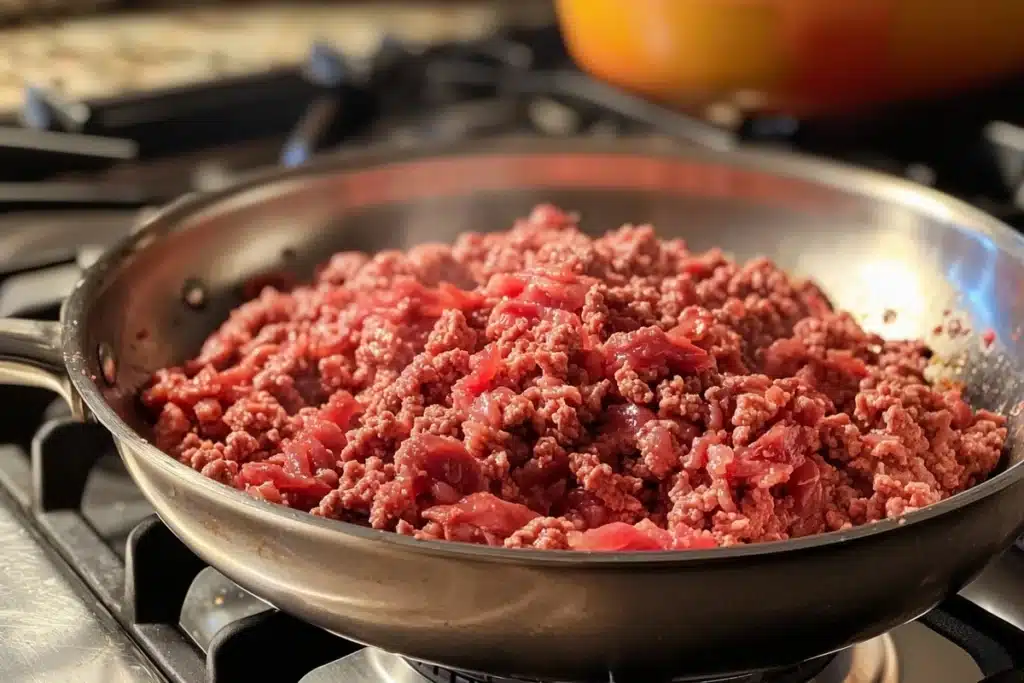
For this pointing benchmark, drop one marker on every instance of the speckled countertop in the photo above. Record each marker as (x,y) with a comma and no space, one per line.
(104,55)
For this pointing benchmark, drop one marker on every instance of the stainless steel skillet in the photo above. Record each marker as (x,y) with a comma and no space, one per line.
(873,243)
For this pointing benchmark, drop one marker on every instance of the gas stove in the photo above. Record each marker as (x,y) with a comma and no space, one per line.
(96,588)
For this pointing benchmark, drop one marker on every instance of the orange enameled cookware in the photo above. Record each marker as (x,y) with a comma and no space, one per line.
(802,56)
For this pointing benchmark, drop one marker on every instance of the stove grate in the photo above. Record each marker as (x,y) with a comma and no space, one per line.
(806,672)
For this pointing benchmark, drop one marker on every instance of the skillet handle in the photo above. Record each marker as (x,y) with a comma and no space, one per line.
(30,355)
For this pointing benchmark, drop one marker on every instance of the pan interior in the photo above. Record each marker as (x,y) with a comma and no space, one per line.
(881,249)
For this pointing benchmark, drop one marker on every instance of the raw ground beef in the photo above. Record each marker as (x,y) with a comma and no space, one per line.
(540,388)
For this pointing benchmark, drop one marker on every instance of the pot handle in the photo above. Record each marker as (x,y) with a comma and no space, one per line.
(30,355)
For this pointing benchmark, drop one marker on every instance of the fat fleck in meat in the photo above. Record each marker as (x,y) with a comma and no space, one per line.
(540,388)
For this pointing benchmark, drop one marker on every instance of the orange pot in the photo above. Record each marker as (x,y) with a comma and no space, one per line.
(804,56)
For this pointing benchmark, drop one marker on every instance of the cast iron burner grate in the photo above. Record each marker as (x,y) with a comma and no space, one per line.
(806,672)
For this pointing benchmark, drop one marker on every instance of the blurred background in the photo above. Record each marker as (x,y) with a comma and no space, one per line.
(94,48)
(914,87)
(154,98)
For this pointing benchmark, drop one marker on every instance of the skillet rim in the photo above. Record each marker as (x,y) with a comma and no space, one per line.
(842,178)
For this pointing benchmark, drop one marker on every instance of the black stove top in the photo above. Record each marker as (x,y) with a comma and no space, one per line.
(96,588)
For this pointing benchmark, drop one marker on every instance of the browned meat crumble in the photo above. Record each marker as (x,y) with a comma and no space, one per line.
(540,388)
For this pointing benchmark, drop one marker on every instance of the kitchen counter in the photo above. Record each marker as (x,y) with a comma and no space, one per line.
(110,54)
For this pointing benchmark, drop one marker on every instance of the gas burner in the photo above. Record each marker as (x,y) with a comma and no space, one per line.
(874,661)
(827,669)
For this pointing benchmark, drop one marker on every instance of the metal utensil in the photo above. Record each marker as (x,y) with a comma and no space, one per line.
(874,244)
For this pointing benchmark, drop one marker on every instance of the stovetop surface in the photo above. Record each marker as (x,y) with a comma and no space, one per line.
(95,588)
(49,631)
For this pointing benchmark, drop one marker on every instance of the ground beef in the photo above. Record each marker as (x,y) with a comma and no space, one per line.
(540,388)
